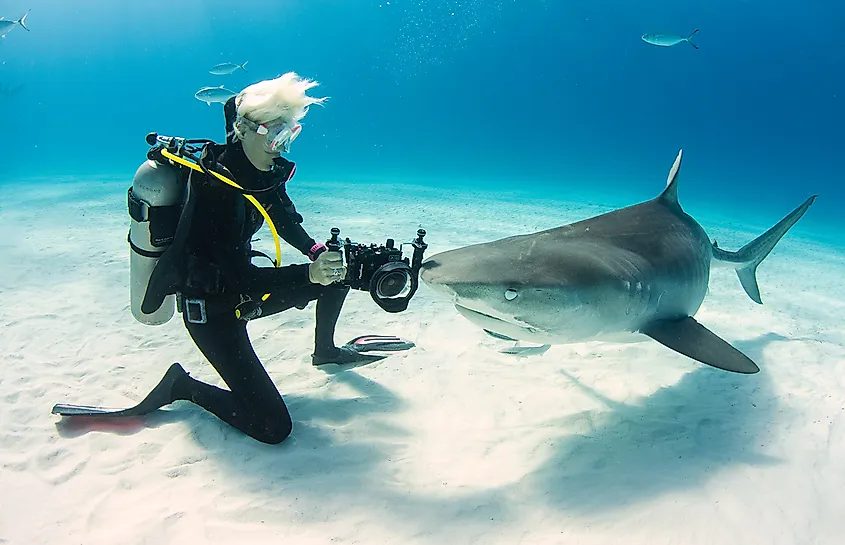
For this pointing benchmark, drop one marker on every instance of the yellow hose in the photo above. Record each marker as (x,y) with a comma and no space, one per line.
(250,198)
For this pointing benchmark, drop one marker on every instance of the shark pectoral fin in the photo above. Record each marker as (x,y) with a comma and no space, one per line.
(699,343)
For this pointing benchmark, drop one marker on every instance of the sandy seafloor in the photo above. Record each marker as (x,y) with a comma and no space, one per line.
(451,442)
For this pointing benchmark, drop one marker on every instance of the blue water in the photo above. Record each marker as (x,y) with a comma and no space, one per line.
(550,96)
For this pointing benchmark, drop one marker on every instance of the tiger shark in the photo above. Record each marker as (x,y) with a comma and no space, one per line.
(639,270)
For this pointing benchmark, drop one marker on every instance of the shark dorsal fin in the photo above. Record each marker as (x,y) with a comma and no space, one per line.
(670,194)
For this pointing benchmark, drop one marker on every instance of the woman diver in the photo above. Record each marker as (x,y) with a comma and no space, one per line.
(219,289)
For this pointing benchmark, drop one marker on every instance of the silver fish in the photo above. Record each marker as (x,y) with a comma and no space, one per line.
(6,26)
(668,40)
(226,68)
(214,94)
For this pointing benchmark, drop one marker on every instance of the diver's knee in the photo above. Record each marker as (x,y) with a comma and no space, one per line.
(277,425)
(275,433)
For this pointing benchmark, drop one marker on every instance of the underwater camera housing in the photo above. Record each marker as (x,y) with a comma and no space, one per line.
(380,269)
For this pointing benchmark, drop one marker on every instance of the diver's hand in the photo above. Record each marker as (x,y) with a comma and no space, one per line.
(327,268)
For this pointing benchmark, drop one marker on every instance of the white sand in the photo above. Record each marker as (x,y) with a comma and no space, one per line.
(451,442)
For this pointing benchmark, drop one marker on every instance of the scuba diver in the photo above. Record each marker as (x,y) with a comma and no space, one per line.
(206,266)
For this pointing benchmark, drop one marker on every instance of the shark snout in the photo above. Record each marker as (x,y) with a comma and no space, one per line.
(454,276)
(481,288)
(452,266)
(434,273)
(427,266)
(431,273)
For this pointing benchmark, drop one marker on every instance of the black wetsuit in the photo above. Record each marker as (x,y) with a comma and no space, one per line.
(220,272)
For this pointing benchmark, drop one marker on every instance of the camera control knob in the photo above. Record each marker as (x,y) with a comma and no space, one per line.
(333,244)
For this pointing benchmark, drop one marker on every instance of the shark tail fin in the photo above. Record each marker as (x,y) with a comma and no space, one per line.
(670,194)
(243,66)
(748,258)
(689,38)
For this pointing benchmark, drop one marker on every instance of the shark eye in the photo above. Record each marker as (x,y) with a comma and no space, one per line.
(510,294)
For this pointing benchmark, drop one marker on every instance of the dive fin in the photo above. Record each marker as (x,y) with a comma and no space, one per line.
(368,343)
(66,409)
(345,355)
(692,339)
(747,258)
(160,396)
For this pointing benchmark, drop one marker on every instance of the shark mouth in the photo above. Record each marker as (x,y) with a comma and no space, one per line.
(470,313)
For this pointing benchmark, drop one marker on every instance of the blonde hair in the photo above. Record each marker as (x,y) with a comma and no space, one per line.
(280,98)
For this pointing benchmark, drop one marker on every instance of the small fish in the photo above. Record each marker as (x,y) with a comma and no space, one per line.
(214,94)
(668,40)
(225,68)
(6,26)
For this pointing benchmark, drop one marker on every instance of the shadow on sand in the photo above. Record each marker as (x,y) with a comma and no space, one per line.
(342,453)
(318,445)
(677,438)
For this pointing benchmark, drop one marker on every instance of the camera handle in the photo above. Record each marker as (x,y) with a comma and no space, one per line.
(333,244)
(419,249)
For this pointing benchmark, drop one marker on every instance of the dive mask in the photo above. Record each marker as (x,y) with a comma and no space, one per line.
(279,136)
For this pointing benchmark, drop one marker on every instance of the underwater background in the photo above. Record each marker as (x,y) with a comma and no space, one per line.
(550,98)
(475,120)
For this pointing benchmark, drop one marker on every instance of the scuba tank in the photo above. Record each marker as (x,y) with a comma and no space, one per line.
(155,202)
(161,206)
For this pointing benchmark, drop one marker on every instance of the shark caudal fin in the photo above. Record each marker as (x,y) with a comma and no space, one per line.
(747,258)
